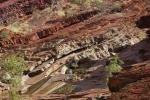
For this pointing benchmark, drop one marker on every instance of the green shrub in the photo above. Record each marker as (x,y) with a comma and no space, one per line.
(114,66)
(15,81)
(14,95)
(13,67)
(99,4)
(79,71)
(4,34)
(117,5)
(60,13)
(78,1)
(70,13)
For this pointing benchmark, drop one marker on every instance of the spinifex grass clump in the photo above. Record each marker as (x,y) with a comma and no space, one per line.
(4,34)
(78,1)
(13,69)
(99,3)
(114,66)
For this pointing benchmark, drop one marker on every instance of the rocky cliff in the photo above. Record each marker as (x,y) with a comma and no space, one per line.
(11,10)
(85,41)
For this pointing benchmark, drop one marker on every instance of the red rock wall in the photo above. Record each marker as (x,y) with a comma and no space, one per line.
(47,32)
(12,9)
(137,72)
(1,1)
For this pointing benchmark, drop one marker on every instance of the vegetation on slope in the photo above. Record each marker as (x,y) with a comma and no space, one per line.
(13,67)
(114,66)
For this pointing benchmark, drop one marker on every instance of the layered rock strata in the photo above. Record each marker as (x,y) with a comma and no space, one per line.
(132,84)
(11,10)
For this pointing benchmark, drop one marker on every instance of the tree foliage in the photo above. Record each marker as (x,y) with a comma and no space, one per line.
(114,66)
(13,65)
(13,69)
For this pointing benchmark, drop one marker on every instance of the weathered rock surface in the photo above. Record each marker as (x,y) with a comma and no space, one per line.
(58,28)
(11,10)
(135,83)
(87,35)
(87,95)
(137,72)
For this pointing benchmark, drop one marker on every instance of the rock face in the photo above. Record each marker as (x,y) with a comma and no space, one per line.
(48,31)
(92,34)
(94,94)
(12,9)
(137,72)
(57,28)
(132,84)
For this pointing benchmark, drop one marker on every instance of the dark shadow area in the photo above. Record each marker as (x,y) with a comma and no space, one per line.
(32,74)
(97,74)
(137,53)
(1,1)
(148,33)
(26,72)
(143,22)
(29,13)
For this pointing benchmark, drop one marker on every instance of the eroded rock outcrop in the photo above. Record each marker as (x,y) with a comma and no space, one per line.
(132,84)
(87,35)
(51,28)
(87,95)
(12,9)
(137,72)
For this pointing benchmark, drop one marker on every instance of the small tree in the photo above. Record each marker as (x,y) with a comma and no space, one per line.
(13,67)
(114,66)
